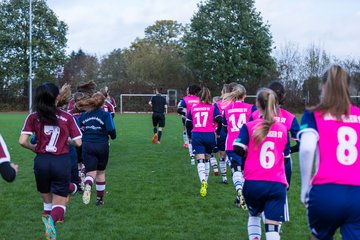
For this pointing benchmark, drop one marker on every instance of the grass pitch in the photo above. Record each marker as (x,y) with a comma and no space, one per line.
(152,192)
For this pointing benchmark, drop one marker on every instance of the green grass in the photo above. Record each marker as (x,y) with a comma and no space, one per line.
(152,192)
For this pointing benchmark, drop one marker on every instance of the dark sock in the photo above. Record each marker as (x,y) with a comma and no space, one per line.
(155,130)
(57,213)
(159,135)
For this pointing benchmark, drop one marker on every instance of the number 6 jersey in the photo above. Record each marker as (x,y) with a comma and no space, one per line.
(339,146)
(52,139)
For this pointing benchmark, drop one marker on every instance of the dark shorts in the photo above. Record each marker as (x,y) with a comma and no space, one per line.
(52,173)
(332,206)
(203,142)
(95,155)
(267,197)
(221,140)
(233,157)
(158,119)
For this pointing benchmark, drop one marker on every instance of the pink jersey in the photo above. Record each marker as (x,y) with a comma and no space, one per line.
(339,146)
(191,101)
(202,116)
(236,114)
(283,117)
(4,153)
(108,107)
(265,161)
(52,139)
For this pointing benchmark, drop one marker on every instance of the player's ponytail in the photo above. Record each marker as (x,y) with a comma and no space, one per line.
(44,103)
(205,95)
(90,104)
(64,96)
(238,93)
(266,101)
(335,94)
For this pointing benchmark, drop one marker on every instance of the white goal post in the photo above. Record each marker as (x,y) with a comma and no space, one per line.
(138,95)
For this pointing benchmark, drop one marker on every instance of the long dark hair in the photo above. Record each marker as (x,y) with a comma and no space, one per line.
(45,103)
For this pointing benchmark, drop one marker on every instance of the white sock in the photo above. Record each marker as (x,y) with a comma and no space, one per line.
(272,236)
(238,180)
(213,162)
(223,167)
(254,227)
(207,170)
(190,149)
(185,137)
(201,171)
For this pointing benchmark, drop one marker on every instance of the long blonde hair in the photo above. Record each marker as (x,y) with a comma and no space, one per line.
(335,94)
(238,93)
(205,95)
(266,102)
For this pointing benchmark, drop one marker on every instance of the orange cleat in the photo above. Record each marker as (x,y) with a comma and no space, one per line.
(153,140)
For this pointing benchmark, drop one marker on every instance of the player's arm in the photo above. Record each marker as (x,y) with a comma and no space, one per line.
(308,142)
(295,128)
(181,107)
(24,142)
(189,124)
(110,126)
(217,119)
(8,170)
(241,143)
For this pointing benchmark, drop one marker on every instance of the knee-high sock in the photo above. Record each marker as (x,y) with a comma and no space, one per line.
(57,212)
(100,188)
(254,227)
(201,169)
(214,164)
(207,169)
(238,180)
(185,137)
(223,167)
(159,135)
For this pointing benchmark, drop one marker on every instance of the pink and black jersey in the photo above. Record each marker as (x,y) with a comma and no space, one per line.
(235,115)
(264,161)
(4,153)
(52,139)
(284,117)
(339,146)
(202,116)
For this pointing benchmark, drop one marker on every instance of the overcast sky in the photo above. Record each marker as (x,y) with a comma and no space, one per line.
(98,27)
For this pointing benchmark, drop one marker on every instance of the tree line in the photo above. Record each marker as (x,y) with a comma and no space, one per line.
(225,41)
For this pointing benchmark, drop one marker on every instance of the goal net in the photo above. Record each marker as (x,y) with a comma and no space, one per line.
(137,103)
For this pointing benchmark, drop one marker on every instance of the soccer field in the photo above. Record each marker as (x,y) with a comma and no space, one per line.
(152,192)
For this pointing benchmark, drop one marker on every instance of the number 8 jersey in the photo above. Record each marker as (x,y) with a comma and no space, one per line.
(339,146)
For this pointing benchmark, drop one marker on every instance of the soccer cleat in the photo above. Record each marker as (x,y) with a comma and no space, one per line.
(99,201)
(216,172)
(157,142)
(240,200)
(50,231)
(82,179)
(203,189)
(153,140)
(186,145)
(192,160)
(87,194)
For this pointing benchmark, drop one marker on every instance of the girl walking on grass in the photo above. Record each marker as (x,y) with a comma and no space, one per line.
(54,130)
(263,143)
(202,120)
(97,125)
